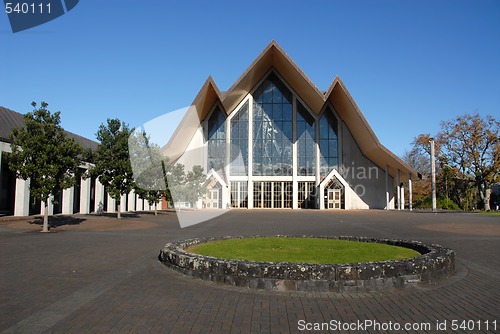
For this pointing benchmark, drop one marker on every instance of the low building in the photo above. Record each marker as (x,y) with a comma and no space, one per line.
(86,196)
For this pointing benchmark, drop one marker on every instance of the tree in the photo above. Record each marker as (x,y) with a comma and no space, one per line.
(174,176)
(42,153)
(420,161)
(156,176)
(471,144)
(147,166)
(194,184)
(112,163)
(182,186)
(468,154)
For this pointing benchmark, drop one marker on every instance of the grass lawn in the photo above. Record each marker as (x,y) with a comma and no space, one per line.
(490,213)
(308,250)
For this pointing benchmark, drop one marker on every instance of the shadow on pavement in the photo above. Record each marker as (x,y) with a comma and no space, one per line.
(56,221)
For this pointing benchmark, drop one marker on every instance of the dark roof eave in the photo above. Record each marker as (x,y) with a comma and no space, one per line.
(13,119)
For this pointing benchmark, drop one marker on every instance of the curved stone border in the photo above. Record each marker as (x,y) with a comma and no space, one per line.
(435,263)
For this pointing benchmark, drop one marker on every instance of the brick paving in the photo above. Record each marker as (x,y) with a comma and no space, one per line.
(98,275)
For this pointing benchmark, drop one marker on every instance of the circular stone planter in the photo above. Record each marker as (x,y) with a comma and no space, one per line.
(435,263)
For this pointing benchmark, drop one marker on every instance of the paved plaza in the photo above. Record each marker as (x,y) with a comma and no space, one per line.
(100,275)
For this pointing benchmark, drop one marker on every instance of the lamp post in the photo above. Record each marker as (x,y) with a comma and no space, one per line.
(433,175)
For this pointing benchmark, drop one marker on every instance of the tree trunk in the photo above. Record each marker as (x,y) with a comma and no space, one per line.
(45,227)
(156,210)
(487,195)
(119,213)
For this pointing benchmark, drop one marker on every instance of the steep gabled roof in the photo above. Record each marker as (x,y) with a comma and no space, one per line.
(9,119)
(370,146)
(274,57)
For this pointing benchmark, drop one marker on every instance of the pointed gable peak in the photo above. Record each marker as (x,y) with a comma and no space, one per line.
(273,57)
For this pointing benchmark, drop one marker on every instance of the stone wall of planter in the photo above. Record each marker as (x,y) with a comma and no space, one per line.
(435,263)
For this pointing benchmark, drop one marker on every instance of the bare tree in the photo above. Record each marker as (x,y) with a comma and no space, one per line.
(468,152)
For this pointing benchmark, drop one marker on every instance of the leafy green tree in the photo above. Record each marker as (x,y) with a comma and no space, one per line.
(167,169)
(44,154)
(182,186)
(146,161)
(175,178)
(194,184)
(111,160)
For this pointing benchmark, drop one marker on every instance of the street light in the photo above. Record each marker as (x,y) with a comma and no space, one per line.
(433,175)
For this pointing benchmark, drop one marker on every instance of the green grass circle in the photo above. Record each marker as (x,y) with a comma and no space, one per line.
(302,250)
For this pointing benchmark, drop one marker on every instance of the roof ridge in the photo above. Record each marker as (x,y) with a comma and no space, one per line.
(12,119)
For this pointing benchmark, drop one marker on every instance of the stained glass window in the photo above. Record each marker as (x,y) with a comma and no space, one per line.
(328,142)
(239,142)
(216,140)
(272,129)
(306,148)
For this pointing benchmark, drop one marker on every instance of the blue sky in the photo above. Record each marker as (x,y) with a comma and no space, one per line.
(407,64)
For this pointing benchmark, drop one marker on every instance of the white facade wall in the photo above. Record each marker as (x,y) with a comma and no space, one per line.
(365,178)
(195,153)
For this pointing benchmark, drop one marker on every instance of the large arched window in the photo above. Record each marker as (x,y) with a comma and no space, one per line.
(216,140)
(239,142)
(328,142)
(272,129)
(306,137)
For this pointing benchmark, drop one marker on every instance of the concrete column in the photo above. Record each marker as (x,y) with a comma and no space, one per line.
(387,197)
(85,195)
(67,200)
(402,196)
(99,195)
(398,188)
(250,154)
(295,169)
(410,193)
(51,205)
(111,204)
(320,200)
(321,192)
(433,176)
(42,208)
(22,200)
(226,195)
(131,200)
(226,199)
(123,203)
